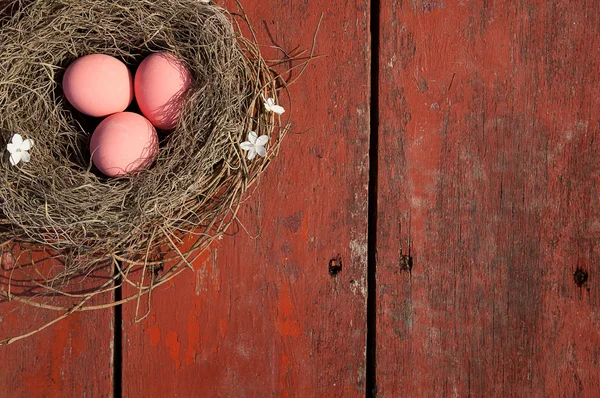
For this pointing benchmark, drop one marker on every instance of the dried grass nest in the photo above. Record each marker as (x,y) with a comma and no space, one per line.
(60,203)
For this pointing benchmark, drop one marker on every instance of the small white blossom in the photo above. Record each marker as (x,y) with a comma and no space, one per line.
(272,107)
(255,145)
(18,149)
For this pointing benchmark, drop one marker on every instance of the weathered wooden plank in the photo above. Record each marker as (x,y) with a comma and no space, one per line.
(263,316)
(489,169)
(73,357)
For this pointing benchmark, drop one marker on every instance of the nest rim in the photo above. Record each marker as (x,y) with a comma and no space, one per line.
(232,177)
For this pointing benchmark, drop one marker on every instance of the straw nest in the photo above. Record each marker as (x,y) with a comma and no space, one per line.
(188,198)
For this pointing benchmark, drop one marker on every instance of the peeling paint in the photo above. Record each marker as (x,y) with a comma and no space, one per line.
(287,325)
(174,346)
(154,333)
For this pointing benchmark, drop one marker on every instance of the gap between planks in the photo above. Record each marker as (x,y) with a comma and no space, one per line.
(371,355)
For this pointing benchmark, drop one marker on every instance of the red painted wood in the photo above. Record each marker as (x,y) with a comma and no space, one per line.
(72,358)
(489,165)
(262,316)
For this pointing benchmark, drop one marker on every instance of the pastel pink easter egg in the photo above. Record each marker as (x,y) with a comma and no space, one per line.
(160,84)
(98,85)
(124,143)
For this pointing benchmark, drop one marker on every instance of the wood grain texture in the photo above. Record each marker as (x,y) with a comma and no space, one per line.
(73,358)
(262,316)
(490,167)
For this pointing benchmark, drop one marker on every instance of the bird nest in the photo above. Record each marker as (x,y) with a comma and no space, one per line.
(149,226)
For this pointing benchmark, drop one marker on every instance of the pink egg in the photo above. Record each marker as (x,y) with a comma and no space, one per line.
(98,85)
(161,81)
(123,143)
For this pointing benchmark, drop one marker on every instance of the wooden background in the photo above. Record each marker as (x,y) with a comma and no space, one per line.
(451,159)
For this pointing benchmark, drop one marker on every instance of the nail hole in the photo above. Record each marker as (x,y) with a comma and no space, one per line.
(156,270)
(406,263)
(335,266)
(580,277)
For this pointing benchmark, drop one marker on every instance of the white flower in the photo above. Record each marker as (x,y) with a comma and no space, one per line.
(272,107)
(255,144)
(18,149)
